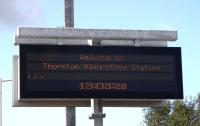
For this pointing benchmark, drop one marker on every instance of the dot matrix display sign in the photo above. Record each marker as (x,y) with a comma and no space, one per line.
(52,71)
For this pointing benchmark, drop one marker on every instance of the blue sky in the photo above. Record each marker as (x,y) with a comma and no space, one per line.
(180,15)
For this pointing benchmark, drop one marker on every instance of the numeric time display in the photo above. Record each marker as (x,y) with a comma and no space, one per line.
(103,86)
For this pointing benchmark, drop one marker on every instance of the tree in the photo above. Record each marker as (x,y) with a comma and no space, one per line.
(175,113)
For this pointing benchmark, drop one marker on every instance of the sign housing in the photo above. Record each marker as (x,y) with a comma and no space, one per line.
(51,71)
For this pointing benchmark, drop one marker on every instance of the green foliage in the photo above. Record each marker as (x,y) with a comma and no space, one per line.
(175,113)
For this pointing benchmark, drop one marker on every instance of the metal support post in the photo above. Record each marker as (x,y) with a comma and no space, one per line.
(0,102)
(71,116)
(98,114)
(69,13)
(69,22)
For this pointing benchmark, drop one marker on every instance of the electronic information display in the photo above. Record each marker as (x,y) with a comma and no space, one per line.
(53,71)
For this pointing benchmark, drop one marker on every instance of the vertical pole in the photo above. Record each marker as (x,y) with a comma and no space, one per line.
(69,22)
(98,114)
(0,102)
(69,13)
(96,104)
(70,116)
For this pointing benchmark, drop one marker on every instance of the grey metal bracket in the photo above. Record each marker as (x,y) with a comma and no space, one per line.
(97,115)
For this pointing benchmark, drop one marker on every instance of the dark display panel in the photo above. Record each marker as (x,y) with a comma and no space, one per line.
(52,71)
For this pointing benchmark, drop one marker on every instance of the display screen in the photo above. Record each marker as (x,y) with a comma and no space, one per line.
(53,71)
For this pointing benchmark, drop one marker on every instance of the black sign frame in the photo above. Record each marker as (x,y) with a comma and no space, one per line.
(31,87)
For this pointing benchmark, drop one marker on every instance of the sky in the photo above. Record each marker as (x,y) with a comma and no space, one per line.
(180,15)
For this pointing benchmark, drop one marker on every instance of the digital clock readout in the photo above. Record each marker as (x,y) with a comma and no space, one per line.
(103,86)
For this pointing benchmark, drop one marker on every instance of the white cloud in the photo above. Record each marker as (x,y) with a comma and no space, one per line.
(20,12)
